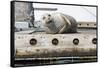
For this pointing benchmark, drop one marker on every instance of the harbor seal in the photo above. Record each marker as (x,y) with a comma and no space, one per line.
(58,23)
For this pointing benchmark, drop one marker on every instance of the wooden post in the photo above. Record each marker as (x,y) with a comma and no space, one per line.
(24,12)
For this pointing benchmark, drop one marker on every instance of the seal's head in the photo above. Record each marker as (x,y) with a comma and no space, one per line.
(49,24)
(47,19)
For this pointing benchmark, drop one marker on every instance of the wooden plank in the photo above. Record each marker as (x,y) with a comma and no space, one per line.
(83,24)
(65,46)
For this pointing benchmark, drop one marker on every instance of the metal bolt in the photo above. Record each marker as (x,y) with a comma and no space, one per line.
(76,41)
(55,41)
(33,41)
(94,40)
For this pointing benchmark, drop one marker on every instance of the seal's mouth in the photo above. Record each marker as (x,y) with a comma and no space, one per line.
(49,21)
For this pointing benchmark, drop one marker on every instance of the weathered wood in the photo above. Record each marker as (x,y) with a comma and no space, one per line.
(65,46)
(55,52)
(86,24)
(22,11)
(59,58)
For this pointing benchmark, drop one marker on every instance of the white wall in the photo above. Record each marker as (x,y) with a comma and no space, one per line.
(80,13)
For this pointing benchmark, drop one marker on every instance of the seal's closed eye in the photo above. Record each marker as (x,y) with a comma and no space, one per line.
(49,15)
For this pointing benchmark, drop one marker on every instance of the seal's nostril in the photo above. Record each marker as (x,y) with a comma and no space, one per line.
(43,18)
(50,21)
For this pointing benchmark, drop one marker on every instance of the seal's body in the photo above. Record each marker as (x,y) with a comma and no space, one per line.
(59,23)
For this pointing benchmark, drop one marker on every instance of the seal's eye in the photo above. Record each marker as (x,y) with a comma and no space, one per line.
(49,15)
(43,18)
